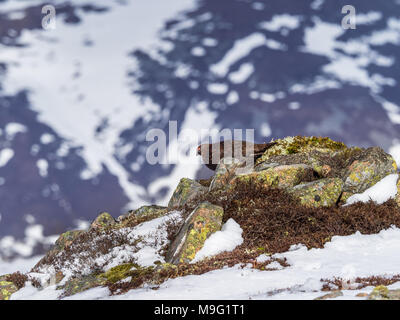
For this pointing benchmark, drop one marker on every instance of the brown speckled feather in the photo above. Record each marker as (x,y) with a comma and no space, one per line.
(211,156)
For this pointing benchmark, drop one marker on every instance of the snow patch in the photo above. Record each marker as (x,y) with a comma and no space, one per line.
(380,192)
(227,239)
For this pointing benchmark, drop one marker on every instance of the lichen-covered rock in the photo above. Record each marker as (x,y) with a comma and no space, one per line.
(319,193)
(371,166)
(66,239)
(7,288)
(299,144)
(398,193)
(383,293)
(76,285)
(186,190)
(144,213)
(226,170)
(204,220)
(102,221)
(332,295)
(283,176)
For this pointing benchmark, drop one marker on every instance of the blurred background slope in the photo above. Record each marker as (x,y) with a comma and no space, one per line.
(76,102)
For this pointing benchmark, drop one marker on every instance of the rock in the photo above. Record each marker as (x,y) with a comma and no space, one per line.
(226,170)
(383,293)
(7,288)
(265,165)
(81,284)
(125,271)
(304,145)
(319,193)
(398,193)
(362,295)
(63,242)
(283,176)
(186,190)
(102,221)
(144,213)
(371,166)
(66,239)
(332,295)
(204,220)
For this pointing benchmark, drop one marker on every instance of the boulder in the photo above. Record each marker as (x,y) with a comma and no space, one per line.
(144,213)
(103,221)
(332,295)
(383,293)
(186,190)
(282,176)
(226,170)
(371,166)
(320,193)
(302,145)
(81,284)
(7,288)
(204,220)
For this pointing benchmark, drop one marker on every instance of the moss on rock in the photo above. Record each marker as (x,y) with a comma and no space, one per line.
(186,190)
(372,166)
(283,176)
(205,219)
(300,144)
(7,288)
(81,284)
(320,193)
(103,221)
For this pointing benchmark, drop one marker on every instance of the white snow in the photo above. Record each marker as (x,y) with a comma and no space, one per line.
(12,128)
(380,192)
(395,152)
(5,156)
(350,59)
(20,264)
(227,239)
(347,257)
(281,21)
(43,166)
(217,88)
(241,49)
(143,245)
(89,82)
(242,74)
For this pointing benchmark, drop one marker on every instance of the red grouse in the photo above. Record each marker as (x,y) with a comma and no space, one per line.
(213,153)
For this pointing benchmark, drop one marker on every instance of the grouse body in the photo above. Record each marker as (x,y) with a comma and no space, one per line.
(212,153)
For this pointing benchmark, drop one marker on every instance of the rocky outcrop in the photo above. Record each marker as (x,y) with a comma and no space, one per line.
(200,224)
(187,189)
(310,173)
(383,293)
(7,288)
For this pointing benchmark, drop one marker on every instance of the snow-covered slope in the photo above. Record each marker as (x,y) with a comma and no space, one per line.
(76,102)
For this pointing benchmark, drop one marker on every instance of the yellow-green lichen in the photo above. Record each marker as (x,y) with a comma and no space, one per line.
(124,271)
(206,220)
(103,221)
(320,193)
(185,190)
(7,289)
(284,176)
(297,144)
